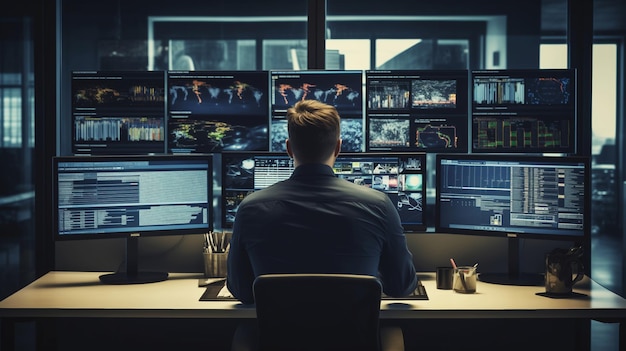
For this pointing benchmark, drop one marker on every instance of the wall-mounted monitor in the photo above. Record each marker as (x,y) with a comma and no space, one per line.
(214,111)
(97,197)
(400,175)
(118,112)
(524,111)
(342,89)
(514,196)
(411,110)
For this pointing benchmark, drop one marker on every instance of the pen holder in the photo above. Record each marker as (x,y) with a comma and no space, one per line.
(464,280)
(215,264)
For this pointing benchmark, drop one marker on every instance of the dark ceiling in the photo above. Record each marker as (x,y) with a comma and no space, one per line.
(609,16)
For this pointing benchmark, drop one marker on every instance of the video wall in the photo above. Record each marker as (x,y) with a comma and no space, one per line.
(437,111)
(382,112)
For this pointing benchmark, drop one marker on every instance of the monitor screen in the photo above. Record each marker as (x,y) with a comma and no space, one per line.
(213,111)
(524,111)
(410,110)
(342,89)
(400,175)
(115,112)
(514,196)
(132,196)
(535,196)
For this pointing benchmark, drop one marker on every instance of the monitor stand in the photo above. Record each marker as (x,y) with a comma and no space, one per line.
(132,274)
(513,276)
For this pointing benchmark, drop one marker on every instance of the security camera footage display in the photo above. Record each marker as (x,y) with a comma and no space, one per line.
(417,110)
(213,111)
(118,112)
(524,111)
(400,175)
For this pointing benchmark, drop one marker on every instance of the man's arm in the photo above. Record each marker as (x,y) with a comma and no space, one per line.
(397,271)
(240,274)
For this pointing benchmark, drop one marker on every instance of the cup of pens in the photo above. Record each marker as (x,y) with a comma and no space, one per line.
(464,280)
(215,254)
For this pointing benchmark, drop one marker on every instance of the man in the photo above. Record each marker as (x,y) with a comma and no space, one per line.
(315,222)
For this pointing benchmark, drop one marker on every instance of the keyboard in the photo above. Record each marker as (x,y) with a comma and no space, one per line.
(418,294)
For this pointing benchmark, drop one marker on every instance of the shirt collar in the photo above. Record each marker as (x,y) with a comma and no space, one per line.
(313,169)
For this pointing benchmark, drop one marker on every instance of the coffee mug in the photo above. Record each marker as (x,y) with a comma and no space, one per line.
(560,267)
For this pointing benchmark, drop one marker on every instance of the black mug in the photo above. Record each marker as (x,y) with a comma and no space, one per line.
(561,264)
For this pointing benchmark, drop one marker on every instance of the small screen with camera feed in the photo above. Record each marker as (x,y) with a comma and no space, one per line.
(399,175)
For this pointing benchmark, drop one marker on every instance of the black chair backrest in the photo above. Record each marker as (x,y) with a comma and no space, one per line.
(318,312)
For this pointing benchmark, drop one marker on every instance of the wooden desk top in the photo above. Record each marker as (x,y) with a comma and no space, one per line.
(80,294)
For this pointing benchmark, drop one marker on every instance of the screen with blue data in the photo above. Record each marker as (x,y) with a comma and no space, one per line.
(400,175)
(341,89)
(412,110)
(115,112)
(213,111)
(527,196)
(120,196)
(524,111)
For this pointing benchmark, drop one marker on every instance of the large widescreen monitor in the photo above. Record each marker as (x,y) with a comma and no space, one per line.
(214,111)
(524,111)
(118,112)
(129,197)
(514,196)
(340,88)
(400,175)
(412,110)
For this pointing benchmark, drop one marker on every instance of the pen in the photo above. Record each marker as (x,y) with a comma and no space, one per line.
(461,276)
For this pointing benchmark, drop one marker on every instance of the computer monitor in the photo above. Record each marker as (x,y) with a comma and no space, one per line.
(524,111)
(514,196)
(214,111)
(130,197)
(400,175)
(414,110)
(340,88)
(118,112)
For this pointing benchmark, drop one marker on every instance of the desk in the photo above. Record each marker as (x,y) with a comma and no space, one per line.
(80,294)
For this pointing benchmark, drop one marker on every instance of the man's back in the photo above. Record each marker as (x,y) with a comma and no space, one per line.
(316,222)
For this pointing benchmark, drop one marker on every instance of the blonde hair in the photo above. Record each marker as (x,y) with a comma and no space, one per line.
(314,129)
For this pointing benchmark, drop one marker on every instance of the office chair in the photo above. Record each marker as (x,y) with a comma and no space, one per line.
(318,312)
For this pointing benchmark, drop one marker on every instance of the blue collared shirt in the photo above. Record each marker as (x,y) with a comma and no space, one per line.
(314,222)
